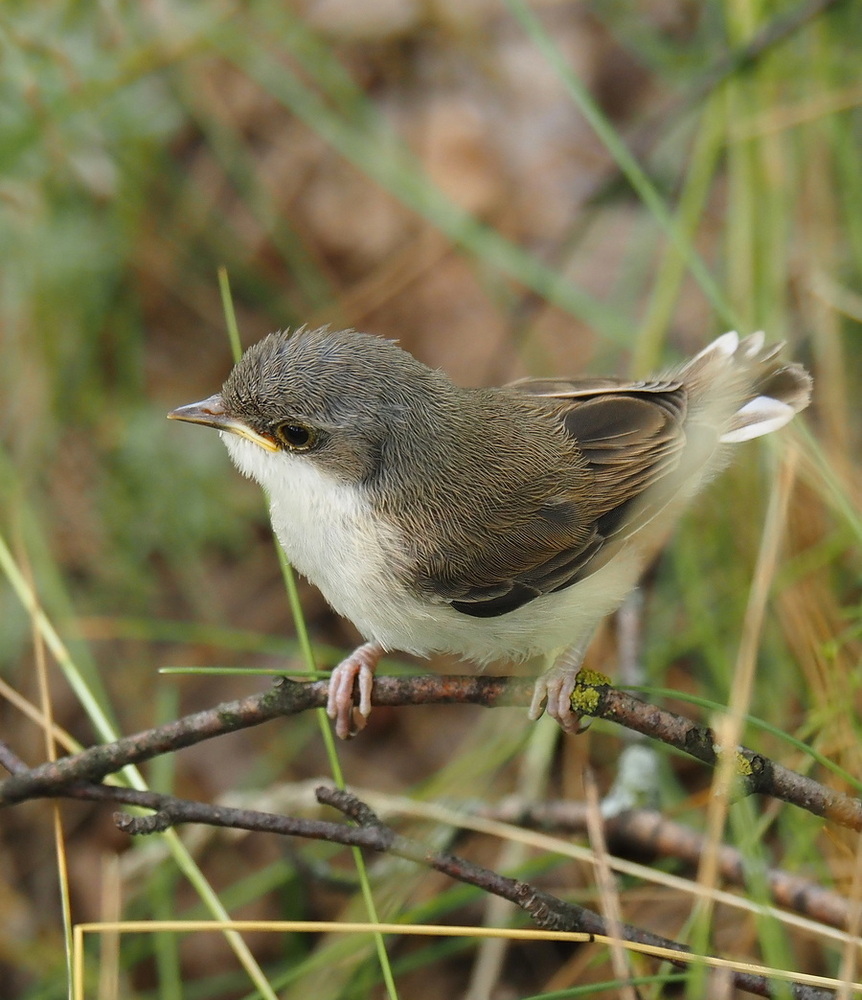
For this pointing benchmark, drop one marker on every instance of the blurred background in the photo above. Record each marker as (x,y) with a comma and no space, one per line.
(507,188)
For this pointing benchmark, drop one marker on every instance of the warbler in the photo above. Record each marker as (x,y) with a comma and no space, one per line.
(493,523)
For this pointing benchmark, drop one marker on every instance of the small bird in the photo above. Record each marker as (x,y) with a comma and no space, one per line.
(493,523)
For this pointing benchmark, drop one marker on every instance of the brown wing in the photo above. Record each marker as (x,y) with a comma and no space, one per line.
(631,439)
(625,437)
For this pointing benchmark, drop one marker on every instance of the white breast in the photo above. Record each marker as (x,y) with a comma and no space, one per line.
(326,529)
(331,535)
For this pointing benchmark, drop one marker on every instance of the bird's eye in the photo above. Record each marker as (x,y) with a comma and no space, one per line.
(296,437)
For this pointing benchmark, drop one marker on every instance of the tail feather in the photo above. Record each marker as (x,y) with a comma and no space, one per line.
(758,416)
(745,387)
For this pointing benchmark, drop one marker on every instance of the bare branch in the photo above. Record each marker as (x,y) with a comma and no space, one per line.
(594,697)
(639,831)
(547,911)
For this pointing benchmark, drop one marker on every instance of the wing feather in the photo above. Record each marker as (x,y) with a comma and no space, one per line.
(624,438)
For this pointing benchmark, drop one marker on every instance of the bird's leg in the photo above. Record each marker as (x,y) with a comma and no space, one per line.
(349,717)
(553,690)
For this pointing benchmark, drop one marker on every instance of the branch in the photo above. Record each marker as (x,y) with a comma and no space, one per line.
(593,697)
(637,832)
(547,911)
(284,698)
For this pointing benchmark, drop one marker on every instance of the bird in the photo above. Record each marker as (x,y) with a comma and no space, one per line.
(495,523)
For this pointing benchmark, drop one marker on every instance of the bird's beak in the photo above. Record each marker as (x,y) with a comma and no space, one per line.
(212,413)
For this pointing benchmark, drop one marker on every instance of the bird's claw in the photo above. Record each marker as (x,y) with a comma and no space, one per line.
(351,717)
(553,693)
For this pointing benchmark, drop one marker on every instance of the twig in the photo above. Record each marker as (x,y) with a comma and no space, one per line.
(641,831)
(594,697)
(547,911)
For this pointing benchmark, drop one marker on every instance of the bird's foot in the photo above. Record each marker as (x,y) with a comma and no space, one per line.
(351,717)
(553,693)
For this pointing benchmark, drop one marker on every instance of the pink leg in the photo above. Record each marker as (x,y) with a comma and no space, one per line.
(553,691)
(360,665)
